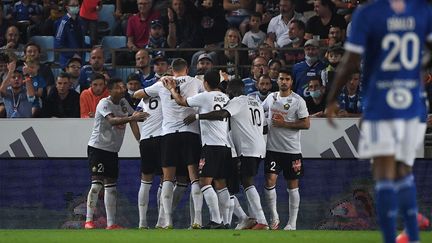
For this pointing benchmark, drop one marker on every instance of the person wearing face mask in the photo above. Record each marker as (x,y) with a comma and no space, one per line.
(316,101)
(294,38)
(69,33)
(310,67)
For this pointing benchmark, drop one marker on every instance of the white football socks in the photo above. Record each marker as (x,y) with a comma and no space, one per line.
(92,199)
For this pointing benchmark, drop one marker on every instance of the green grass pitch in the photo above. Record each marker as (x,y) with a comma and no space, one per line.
(189,236)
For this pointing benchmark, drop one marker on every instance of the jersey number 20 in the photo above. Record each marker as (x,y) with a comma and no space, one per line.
(400,45)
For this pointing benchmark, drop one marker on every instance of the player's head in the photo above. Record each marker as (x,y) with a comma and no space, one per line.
(211,79)
(179,67)
(116,88)
(98,84)
(285,80)
(235,88)
(264,84)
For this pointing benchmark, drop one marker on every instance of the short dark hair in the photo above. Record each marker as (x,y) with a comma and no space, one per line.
(285,70)
(95,76)
(256,14)
(179,64)
(112,81)
(264,76)
(212,77)
(300,24)
(64,75)
(235,88)
(31,43)
(133,76)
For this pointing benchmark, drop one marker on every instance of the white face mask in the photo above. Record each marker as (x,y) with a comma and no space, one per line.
(315,94)
(311,60)
(131,92)
(73,10)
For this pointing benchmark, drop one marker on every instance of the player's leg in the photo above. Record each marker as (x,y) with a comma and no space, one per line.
(224,200)
(248,170)
(110,200)
(143,199)
(96,168)
(196,194)
(161,213)
(167,193)
(384,172)
(271,169)
(180,188)
(293,170)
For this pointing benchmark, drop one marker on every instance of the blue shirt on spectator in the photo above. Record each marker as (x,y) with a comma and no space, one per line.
(21,12)
(146,80)
(86,72)
(351,104)
(18,105)
(249,85)
(302,73)
(69,35)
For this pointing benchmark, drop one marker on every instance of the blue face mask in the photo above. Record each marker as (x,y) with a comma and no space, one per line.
(315,94)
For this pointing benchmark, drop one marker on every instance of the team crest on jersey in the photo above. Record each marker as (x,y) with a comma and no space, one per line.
(94,169)
(286,106)
(201,164)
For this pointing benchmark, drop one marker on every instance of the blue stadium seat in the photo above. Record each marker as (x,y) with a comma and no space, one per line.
(112,42)
(106,14)
(124,72)
(56,71)
(87,54)
(45,42)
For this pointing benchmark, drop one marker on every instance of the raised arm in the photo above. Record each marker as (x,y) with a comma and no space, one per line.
(136,116)
(171,85)
(213,115)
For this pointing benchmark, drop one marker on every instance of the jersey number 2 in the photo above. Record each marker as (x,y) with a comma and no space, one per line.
(400,45)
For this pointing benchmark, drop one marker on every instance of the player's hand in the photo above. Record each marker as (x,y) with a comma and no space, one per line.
(139,116)
(189,119)
(169,82)
(331,113)
(278,120)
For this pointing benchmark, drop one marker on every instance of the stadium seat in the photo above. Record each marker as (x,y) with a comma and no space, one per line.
(123,72)
(87,54)
(106,15)
(112,42)
(56,71)
(47,45)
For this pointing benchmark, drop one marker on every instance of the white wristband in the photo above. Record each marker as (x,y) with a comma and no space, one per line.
(196,116)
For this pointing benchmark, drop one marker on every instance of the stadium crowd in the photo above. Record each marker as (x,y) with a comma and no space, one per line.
(264,36)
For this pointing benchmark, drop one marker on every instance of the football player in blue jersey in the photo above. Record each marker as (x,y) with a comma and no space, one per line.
(388,36)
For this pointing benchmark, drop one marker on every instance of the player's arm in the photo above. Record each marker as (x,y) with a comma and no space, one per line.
(171,85)
(302,123)
(140,94)
(135,130)
(213,115)
(349,64)
(136,116)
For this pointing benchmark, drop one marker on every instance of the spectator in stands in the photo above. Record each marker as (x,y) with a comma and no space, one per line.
(187,30)
(212,21)
(350,101)
(90,97)
(278,25)
(3,27)
(316,100)
(33,51)
(138,27)
(264,86)
(268,9)
(124,9)
(69,33)
(4,59)
(254,37)
(319,25)
(132,84)
(73,68)
(89,14)
(228,57)
(142,64)
(334,56)
(310,67)
(259,67)
(26,14)
(52,11)
(335,36)
(160,67)
(13,41)
(30,71)
(274,66)
(18,94)
(296,35)
(157,39)
(62,101)
(238,12)
(265,50)
(96,65)
(205,63)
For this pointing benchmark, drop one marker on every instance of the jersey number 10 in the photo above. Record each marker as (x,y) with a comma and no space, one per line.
(399,45)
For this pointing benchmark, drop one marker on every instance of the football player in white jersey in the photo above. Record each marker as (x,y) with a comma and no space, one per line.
(287,115)
(112,115)
(247,120)
(181,144)
(150,151)
(216,151)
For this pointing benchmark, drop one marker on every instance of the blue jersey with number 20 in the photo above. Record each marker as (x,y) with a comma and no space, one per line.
(391,36)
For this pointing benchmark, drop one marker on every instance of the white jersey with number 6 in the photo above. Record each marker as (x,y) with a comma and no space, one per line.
(152,126)
(247,121)
(173,114)
(212,132)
